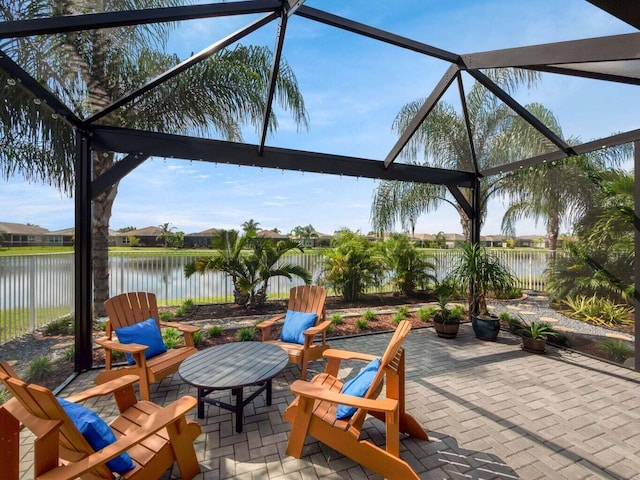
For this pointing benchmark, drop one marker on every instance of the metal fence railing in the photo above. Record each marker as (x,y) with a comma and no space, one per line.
(38,289)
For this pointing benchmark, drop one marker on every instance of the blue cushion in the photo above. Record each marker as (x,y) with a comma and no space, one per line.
(144,333)
(294,324)
(97,433)
(358,387)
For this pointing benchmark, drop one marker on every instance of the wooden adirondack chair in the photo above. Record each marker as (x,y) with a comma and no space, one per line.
(313,411)
(307,299)
(154,437)
(130,308)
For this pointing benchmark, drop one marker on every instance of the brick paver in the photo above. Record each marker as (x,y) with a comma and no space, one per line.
(491,410)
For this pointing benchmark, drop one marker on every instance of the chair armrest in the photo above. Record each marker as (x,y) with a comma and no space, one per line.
(265,327)
(269,322)
(316,392)
(180,326)
(104,388)
(315,330)
(156,421)
(122,347)
(347,355)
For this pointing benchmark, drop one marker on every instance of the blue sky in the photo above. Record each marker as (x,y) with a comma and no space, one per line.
(353,88)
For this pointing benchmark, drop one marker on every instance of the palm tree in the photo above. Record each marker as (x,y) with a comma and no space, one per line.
(166,234)
(250,226)
(305,233)
(91,69)
(443,142)
(555,192)
(249,271)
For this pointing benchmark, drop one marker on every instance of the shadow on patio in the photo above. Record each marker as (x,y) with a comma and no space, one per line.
(491,411)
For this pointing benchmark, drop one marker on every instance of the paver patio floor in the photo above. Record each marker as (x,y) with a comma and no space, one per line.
(491,411)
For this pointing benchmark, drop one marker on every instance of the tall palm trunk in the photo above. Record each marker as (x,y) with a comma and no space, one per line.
(102,206)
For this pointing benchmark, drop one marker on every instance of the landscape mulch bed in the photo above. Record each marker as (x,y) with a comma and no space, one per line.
(382,322)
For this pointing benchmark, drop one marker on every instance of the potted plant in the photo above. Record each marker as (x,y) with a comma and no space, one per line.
(445,321)
(534,336)
(478,273)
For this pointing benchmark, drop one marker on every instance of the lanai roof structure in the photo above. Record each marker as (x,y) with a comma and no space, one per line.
(614,59)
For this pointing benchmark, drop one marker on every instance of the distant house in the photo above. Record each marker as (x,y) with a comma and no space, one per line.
(452,239)
(61,237)
(19,235)
(272,235)
(493,240)
(147,237)
(534,241)
(201,239)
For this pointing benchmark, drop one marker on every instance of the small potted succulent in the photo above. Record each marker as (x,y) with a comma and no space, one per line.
(446,321)
(534,336)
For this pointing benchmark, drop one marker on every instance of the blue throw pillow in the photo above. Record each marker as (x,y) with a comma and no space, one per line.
(294,324)
(145,333)
(97,433)
(358,387)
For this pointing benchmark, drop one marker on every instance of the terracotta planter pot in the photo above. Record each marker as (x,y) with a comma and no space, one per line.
(532,345)
(486,328)
(446,330)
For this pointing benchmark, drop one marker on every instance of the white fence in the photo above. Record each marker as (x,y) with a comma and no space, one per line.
(37,289)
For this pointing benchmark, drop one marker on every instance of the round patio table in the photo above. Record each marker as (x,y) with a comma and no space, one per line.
(233,366)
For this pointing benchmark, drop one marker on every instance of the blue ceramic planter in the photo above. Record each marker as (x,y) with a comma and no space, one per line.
(486,328)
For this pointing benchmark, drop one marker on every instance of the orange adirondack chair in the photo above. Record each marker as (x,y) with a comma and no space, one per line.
(307,299)
(128,309)
(313,411)
(153,436)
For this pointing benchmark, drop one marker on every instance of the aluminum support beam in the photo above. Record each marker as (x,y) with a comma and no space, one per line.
(92,21)
(218,151)
(467,123)
(601,49)
(36,89)
(376,33)
(82,254)
(572,72)
(424,111)
(624,10)
(520,110)
(273,78)
(116,173)
(612,141)
(184,65)
(636,263)
(462,201)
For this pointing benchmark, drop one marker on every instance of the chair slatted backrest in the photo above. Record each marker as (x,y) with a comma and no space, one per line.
(308,299)
(390,363)
(40,403)
(130,308)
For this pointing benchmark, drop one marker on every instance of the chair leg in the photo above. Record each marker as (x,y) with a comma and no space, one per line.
(300,427)
(9,445)
(303,369)
(183,449)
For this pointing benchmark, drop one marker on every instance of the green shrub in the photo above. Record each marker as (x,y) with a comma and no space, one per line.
(198,337)
(69,354)
(362,324)
(456,312)
(166,316)
(598,310)
(330,328)
(39,369)
(398,317)
(185,308)
(616,350)
(246,334)
(404,311)
(515,323)
(410,269)
(426,313)
(337,318)
(171,337)
(4,395)
(62,326)
(507,293)
(215,331)
(562,340)
(368,315)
